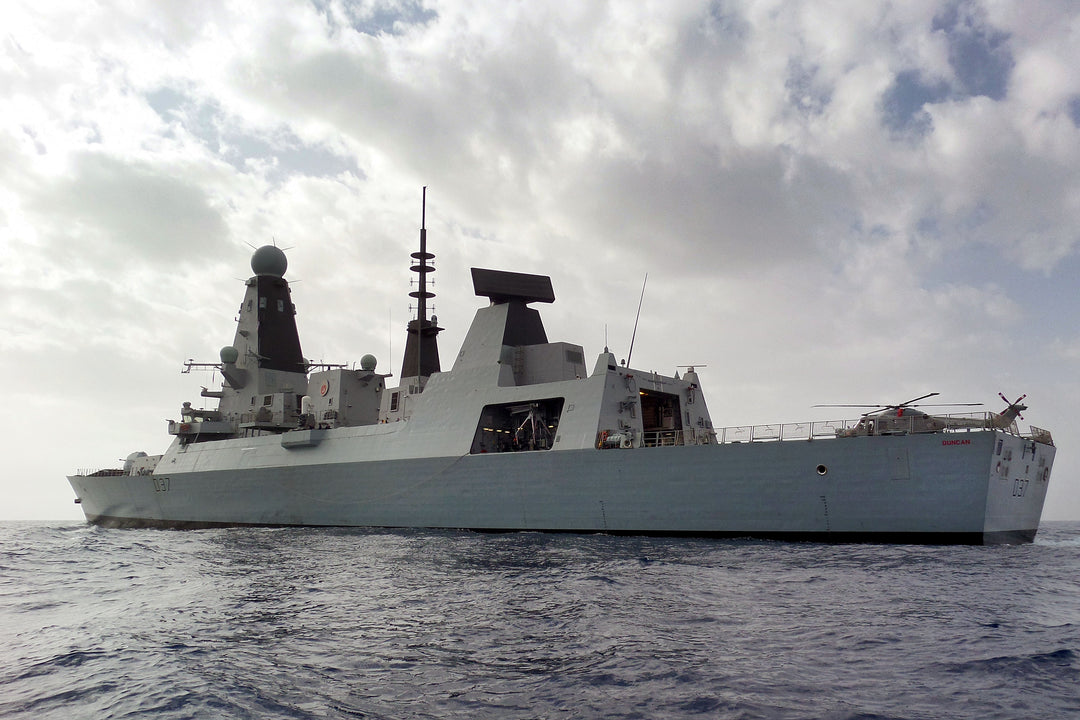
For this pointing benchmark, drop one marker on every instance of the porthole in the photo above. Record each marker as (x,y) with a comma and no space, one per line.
(821,470)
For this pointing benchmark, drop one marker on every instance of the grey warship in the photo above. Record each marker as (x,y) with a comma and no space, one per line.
(521,435)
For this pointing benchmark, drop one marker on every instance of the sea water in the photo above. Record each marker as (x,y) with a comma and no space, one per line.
(336,623)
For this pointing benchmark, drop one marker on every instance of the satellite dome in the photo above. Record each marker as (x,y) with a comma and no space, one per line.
(368,362)
(229,354)
(269,260)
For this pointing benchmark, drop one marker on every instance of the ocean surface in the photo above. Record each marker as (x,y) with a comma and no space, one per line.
(310,623)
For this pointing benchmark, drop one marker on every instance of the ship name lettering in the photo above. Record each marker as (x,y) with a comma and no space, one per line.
(956,442)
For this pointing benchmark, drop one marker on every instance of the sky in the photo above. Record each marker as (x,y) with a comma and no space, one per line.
(835,201)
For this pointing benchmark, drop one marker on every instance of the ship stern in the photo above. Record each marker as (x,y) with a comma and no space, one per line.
(1019,477)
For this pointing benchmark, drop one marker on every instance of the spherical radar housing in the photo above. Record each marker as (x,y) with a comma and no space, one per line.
(269,260)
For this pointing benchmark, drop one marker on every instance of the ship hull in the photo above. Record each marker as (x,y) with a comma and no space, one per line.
(933,488)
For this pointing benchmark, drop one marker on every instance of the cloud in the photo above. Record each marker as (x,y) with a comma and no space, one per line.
(831,199)
(139,210)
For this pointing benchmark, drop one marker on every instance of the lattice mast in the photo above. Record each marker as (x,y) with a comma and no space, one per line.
(421,346)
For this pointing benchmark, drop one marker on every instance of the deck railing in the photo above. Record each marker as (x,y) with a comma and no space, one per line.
(782,431)
(99,472)
(960,422)
(662,438)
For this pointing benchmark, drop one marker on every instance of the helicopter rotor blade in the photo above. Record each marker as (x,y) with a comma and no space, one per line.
(899,408)
(915,400)
(1014,404)
(886,407)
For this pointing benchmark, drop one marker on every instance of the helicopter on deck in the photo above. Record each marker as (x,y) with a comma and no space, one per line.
(905,419)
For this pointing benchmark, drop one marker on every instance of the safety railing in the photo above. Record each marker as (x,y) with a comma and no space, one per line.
(782,431)
(662,438)
(98,472)
(955,422)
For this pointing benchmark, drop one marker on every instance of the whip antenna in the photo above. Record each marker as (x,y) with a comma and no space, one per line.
(636,318)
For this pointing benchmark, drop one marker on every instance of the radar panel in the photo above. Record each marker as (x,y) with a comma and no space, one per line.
(502,286)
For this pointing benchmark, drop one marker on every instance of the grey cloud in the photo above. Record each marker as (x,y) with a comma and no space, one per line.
(144,210)
(720,29)
(487,134)
(488,126)
(807,93)
(714,214)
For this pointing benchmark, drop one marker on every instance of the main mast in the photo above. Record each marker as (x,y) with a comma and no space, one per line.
(421,346)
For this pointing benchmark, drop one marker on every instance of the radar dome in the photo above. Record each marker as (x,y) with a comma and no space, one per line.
(368,362)
(269,260)
(229,354)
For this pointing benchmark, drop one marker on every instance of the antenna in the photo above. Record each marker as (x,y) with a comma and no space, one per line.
(636,318)
(421,294)
(421,297)
(421,349)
